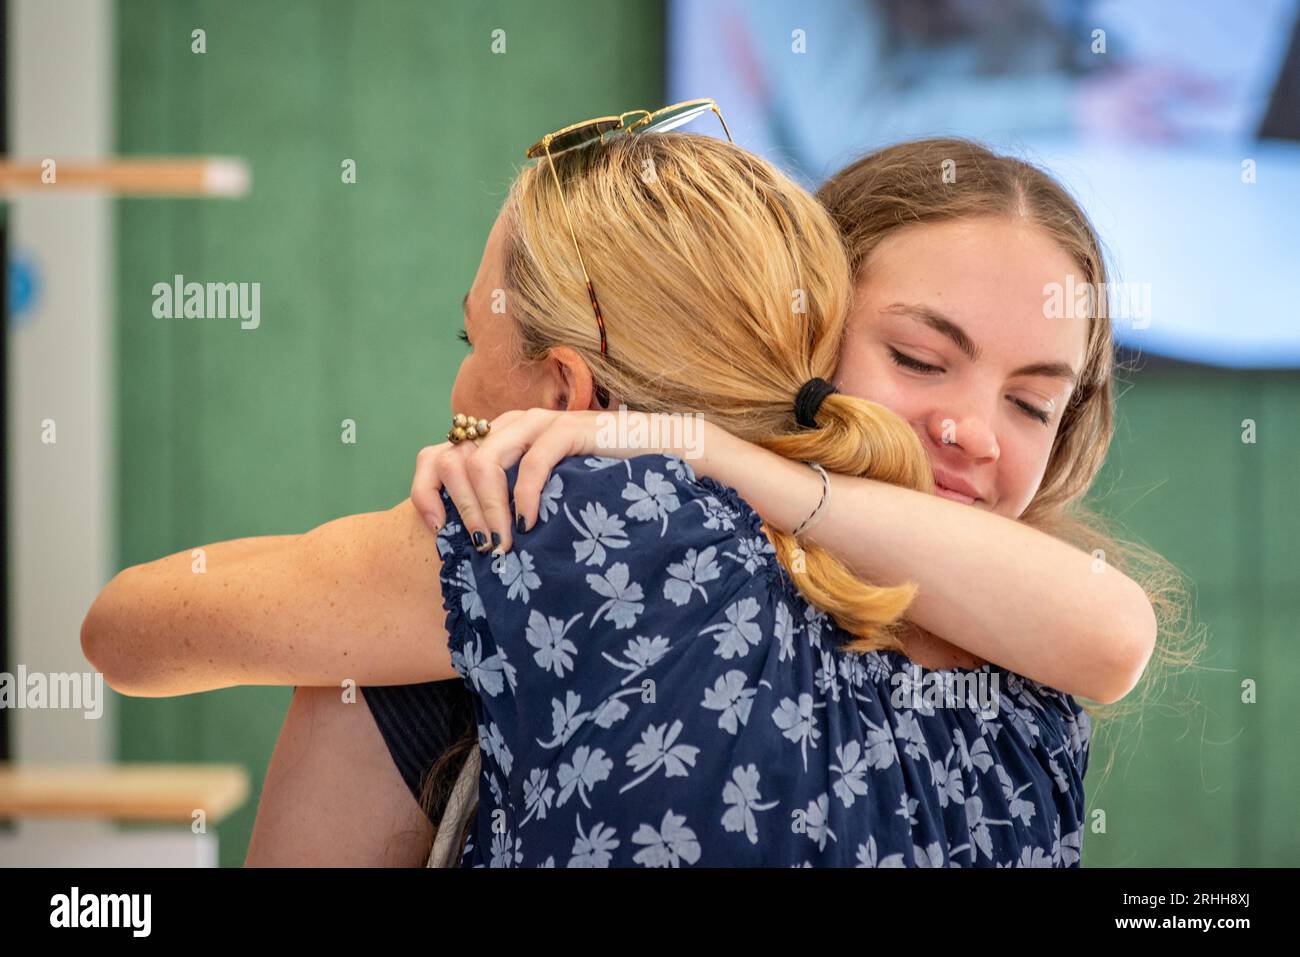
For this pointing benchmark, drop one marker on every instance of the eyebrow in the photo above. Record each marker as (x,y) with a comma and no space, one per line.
(464,305)
(949,328)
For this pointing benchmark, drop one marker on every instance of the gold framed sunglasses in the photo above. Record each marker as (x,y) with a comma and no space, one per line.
(597,130)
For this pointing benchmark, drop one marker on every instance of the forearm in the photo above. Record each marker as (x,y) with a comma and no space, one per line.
(991,585)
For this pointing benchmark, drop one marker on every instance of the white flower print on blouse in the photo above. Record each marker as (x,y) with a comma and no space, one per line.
(681,704)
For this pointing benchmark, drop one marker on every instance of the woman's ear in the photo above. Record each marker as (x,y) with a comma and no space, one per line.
(569,386)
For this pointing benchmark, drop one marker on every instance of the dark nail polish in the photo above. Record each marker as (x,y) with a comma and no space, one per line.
(496,539)
(521,524)
(479,539)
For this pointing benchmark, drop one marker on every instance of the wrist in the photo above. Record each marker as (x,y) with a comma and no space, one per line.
(715,448)
(783,492)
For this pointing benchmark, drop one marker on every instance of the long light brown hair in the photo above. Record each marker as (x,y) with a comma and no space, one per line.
(945,179)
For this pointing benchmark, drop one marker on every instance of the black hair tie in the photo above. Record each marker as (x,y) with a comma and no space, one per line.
(809,400)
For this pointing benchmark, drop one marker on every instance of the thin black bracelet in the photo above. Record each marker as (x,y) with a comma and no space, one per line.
(811,520)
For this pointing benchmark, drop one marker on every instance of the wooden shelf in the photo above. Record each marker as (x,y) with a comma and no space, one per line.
(128,176)
(122,792)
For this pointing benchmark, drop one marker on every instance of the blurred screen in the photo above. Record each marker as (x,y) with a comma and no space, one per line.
(1176,125)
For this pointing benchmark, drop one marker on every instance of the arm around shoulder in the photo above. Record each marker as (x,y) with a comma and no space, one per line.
(356,598)
(989,584)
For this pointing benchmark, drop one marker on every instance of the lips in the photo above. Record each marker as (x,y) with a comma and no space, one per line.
(952,483)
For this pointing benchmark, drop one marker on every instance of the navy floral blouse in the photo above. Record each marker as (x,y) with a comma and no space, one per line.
(651,690)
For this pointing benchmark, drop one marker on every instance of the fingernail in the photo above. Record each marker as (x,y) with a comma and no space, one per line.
(496,541)
(479,539)
(521,524)
(432,522)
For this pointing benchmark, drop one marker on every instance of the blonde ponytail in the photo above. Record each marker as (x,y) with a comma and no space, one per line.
(724,288)
(853,437)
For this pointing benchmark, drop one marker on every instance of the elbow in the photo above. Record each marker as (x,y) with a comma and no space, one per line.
(104,640)
(1132,642)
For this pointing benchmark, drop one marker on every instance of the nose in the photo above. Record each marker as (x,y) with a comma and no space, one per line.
(965,430)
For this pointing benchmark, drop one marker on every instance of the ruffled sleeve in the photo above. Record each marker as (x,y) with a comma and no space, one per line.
(558,630)
(1080,737)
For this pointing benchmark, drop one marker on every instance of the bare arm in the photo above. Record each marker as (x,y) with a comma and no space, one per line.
(356,598)
(333,796)
(995,587)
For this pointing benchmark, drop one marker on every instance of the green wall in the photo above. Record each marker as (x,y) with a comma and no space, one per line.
(1199,777)
(225,433)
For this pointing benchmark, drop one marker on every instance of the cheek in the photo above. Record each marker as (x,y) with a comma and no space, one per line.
(865,374)
(462,390)
(1015,487)
(906,398)
(900,395)
(485,386)
(875,378)
(1021,465)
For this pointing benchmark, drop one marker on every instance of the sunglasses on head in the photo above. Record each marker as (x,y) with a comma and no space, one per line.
(599,130)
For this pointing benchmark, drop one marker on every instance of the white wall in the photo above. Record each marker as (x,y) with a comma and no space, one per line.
(60,365)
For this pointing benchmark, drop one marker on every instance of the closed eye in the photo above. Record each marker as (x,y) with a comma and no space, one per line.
(1032,412)
(908,362)
(916,365)
(463,336)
